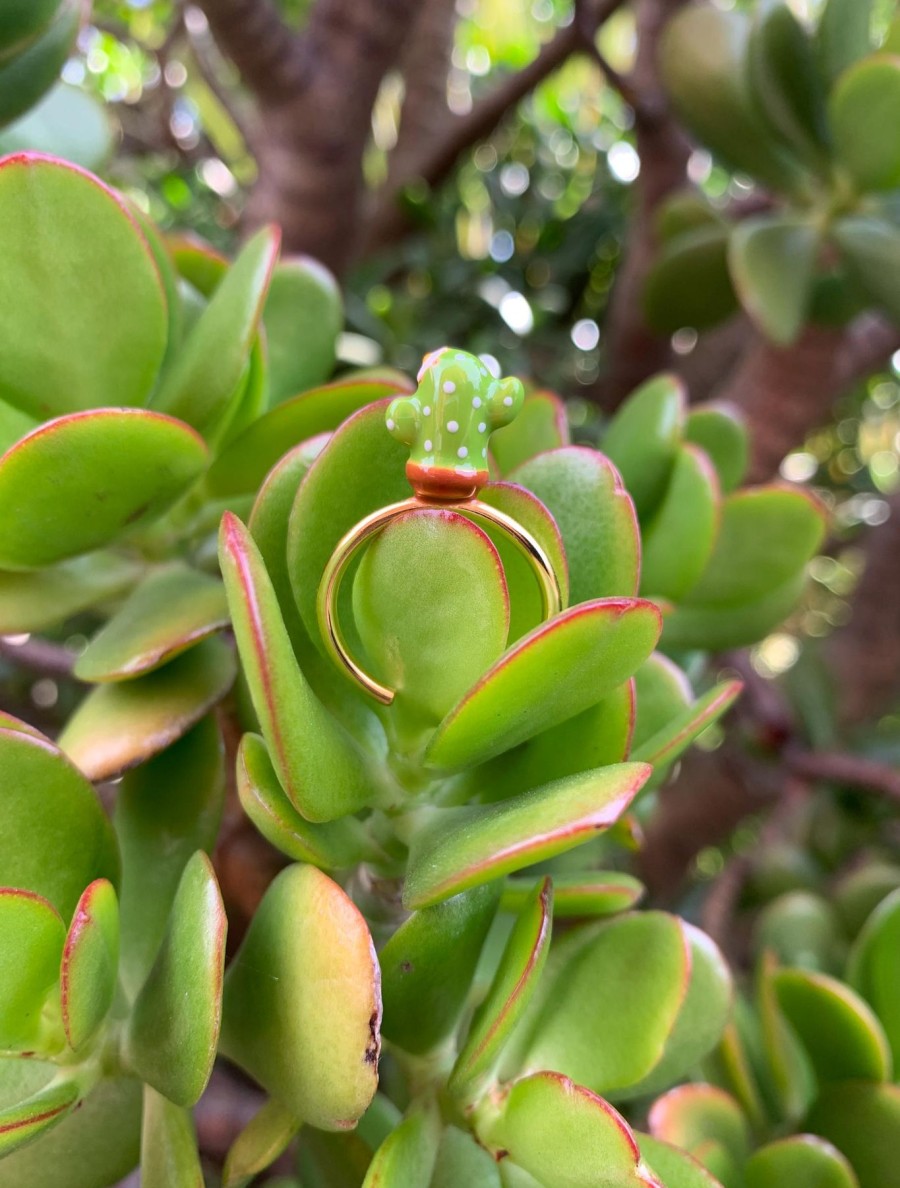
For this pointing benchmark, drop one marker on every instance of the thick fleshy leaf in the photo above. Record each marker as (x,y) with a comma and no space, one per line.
(173,1028)
(861,115)
(25,1121)
(510,991)
(90,963)
(68,123)
(679,536)
(23,20)
(247,460)
(464,847)
(862,1119)
(31,940)
(693,1116)
(785,82)
(26,75)
(843,35)
(703,56)
(13,425)
(317,762)
(596,519)
(787,1069)
(169,1157)
(579,894)
(169,612)
(428,965)
(541,425)
(78,482)
(362,468)
(767,536)
(461,1160)
(802,930)
(407,1157)
(98,1143)
(717,628)
(719,430)
(642,439)
(120,725)
(839,1031)
(557,671)
(565,1135)
(663,692)
(197,262)
(678,1169)
(303,1001)
(71,249)
(871,249)
(803,1161)
(333,845)
(609,1001)
(259,1144)
(210,364)
(430,639)
(874,967)
(48,807)
(40,599)
(772,259)
(858,893)
(664,747)
(689,283)
(165,810)
(303,316)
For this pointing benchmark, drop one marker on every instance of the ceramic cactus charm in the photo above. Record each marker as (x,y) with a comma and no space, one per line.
(448,420)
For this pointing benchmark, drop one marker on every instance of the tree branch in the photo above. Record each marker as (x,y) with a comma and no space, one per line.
(267,53)
(38,655)
(841,767)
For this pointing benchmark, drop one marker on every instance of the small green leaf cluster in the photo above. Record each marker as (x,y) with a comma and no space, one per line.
(451,892)
(809,116)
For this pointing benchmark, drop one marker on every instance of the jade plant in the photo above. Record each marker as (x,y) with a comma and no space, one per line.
(804,115)
(451,980)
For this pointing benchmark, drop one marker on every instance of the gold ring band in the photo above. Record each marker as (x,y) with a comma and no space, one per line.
(351,542)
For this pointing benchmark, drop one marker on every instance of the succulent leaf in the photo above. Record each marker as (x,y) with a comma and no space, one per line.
(89,970)
(303,316)
(169,1157)
(31,942)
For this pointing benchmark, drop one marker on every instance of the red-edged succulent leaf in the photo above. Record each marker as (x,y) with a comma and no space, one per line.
(90,963)
(170,611)
(27,1120)
(173,1028)
(120,725)
(464,847)
(874,967)
(559,669)
(664,747)
(678,538)
(642,439)
(803,1161)
(407,1156)
(579,894)
(303,1001)
(541,425)
(31,940)
(462,1160)
(691,1116)
(317,762)
(720,432)
(677,1168)
(169,1156)
(303,316)
(862,1119)
(42,598)
(78,482)
(595,515)
(259,1144)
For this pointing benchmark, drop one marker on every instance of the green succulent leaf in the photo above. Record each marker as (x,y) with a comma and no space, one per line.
(871,250)
(242,466)
(23,20)
(694,1116)
(69,245)
(259,1144)
(48,807)
(718,429)
(465,847)
(678,1169)
(642,439)
(89,969)
(609,1001)
(772,260)
(26,1121)
(80,481)
(511,990)
(717,628)
(26,75)
(407,1157)
(679,537)
(802,1160)
(564,1135)
(461,1160)
(689,283)
(578,894)
(209,366)
(316,761)
(560,669)
(170,611)
(197,262)
(786,1069)
(838,1029)
(68,123)
(861,115)
(303,1002)
(303,316)
(801,929)
(42,598)
(428,965)
(166,810)
(541,425)
(174,1025)
(32,935)
(169,1157)
(843,35)
(121,725)
(664,747)
(596,519)
(862,1119)
(874,967)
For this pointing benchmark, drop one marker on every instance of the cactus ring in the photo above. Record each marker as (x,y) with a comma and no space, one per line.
(446,423)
